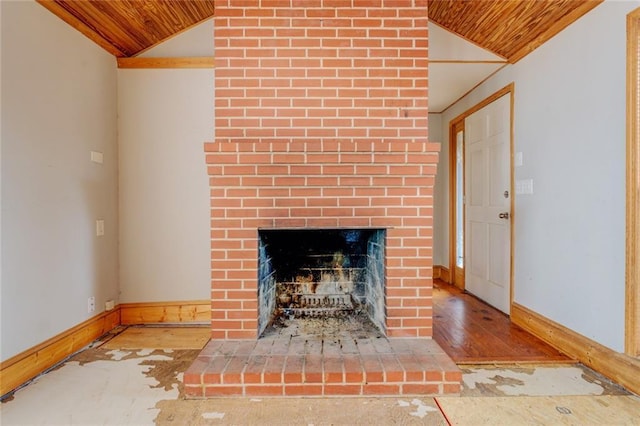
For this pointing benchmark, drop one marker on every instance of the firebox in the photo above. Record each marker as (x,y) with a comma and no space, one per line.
(320,273)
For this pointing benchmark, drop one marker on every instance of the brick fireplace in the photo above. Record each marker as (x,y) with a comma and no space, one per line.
(321,124)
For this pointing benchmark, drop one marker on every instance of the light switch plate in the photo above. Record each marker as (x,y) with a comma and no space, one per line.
(524,187)
(99,228)
(97,157)
(517,159)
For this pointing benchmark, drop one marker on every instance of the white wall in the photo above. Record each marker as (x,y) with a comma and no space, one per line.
(165,116)
(570,127)
(195,41)
(1,357)
(440,231)
(58,104)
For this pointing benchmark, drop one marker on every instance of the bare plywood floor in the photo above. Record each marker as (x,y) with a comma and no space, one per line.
(160,338)
(472,332)
(119,386)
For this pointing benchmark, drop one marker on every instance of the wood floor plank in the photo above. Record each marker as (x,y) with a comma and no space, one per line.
(472,332)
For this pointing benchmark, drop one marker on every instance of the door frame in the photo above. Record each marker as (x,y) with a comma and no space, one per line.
(509,89)
(456,275)
(632,257)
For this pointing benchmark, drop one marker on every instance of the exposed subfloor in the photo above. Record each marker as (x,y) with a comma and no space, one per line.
(322,356)
(119,384)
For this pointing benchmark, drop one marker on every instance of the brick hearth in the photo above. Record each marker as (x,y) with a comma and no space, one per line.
(305,367)
(321,123)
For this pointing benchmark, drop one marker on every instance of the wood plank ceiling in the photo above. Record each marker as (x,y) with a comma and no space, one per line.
(510,29)
(126,28)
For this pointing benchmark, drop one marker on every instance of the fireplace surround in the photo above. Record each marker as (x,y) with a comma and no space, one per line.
(321,125)
(321,185)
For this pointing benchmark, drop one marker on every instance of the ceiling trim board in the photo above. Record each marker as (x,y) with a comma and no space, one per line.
(80,26)
(166,63)
(453,61)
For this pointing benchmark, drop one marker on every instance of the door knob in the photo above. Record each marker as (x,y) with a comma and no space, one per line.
(504,215)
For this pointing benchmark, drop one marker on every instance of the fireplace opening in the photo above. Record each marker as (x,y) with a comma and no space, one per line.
(327,274)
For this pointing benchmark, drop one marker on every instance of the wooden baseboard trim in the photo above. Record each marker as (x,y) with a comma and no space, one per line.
(437,272)
(25,366)
(442,273)
(619,367)
(189,311)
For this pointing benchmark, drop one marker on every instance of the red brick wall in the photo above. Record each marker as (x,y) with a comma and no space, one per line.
(321,121)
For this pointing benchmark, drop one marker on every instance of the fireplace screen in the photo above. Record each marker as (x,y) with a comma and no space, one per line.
(321,273)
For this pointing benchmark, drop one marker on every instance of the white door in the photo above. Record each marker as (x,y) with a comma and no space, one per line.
(487,203)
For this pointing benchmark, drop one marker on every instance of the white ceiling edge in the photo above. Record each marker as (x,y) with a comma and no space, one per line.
(195,41)
(447,46)
(448,82)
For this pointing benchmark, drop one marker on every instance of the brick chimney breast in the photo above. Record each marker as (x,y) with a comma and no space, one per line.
(321,122)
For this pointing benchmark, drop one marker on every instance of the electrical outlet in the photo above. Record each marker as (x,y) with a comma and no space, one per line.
(91,304)
(99,228)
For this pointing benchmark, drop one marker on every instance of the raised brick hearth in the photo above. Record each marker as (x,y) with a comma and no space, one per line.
(302,367)
(321,123)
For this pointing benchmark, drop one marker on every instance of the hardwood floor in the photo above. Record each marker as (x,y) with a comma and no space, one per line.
(472,332)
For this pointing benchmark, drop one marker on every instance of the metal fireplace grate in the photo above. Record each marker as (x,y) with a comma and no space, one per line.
(320,305)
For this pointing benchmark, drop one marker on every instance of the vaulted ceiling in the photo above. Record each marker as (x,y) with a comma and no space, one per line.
(469,40)
(126,28)
(509,29)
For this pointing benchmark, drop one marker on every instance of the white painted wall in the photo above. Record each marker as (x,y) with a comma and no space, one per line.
(570,127)
(164,118)
(1,357)
(440,232)
(58,104)
(196,41)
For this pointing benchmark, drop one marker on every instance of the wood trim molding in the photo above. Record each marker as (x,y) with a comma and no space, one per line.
(167,63)
(454,127)
(442,273)
(189,311)
(619,367)
(459,61)
(437,272)
(477,107)
(70,19)
(632,271)
(472,89)
(25,366)
(457,278)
